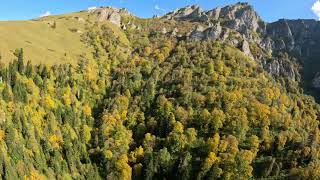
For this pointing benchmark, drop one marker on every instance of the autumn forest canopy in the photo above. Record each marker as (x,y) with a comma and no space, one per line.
(150,100)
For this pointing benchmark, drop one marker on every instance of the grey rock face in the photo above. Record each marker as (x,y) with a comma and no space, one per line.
(280,67)
(213,32)
(239,25)
(194,13)
(198,33)
(109,14)
(215,13)
(267,44)
(300,37)
(115,18)
(246,48)
(316,81)
(273,67)
(240,17)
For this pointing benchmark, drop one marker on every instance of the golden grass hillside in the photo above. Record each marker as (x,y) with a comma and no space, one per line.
(48,40)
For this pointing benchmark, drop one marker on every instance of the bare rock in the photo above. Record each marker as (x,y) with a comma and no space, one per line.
(213,32)
(198,33)
(300,37)
(316,81)
(113,15)
(164,30)
(281,67)
(214,13)
(240,16)
(192,13)
(246,48)
(174,32)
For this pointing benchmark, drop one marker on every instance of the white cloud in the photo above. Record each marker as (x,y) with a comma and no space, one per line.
(158,8)
(316,8)
(47,13)
(92,8)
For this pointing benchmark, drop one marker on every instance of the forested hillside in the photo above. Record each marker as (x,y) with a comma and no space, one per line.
(148,103)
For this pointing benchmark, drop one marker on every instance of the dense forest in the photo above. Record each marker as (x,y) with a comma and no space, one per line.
(144,102)
(160,109)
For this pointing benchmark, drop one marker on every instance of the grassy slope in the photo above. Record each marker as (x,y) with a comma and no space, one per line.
(47,45)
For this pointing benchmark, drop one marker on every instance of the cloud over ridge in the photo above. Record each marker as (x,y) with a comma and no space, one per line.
(47,13)
(316,8)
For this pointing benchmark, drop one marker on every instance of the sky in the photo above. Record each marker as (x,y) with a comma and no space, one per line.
(269,10)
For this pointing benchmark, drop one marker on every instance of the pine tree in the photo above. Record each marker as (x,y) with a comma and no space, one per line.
(29,69)
(19,54)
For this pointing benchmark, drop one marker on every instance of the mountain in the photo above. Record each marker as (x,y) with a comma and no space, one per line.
(54,39)
(194,94)
(240,26)
(62,42)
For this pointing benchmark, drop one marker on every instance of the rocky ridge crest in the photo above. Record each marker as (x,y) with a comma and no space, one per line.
(240,25)
(114,15)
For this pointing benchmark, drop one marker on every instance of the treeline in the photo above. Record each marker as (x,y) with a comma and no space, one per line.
(160,109)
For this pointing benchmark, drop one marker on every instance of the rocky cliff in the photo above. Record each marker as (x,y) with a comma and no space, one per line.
(300,39)
(241,16)
(114,15)
(285,48)
(241,26)
(296,36)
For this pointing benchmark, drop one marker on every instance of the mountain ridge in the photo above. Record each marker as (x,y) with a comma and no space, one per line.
(297,37)
(237,24)
(192,96)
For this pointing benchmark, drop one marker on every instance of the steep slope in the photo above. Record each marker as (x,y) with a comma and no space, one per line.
(177,110)
(54,39)
(300,39)
(42,42)
(287,49)
(191,95)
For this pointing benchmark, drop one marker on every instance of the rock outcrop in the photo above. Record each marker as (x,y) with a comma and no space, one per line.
(240,25)
(198,33)
(316,81)
(246,48)
(193,13)
(111,14)
(213,32)
(241,17)
(220,23)
(300,37)
(281,67)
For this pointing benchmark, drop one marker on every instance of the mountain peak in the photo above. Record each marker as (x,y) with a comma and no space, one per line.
(110,8)
(240,16)
(111,14)
(191,11)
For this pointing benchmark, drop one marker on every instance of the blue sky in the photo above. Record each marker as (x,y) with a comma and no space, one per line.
(269,10)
